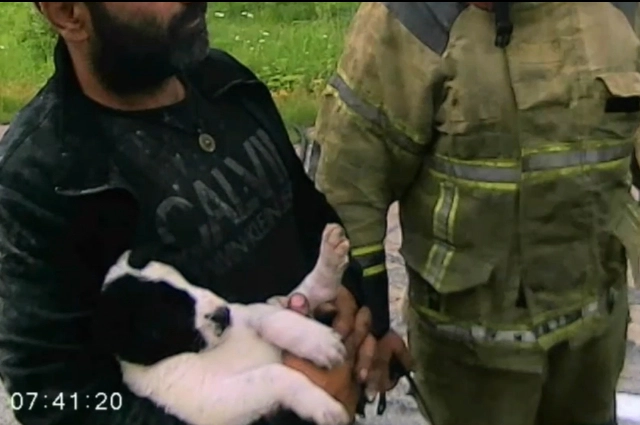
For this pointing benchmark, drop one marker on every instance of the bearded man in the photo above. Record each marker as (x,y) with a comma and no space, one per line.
(145,139)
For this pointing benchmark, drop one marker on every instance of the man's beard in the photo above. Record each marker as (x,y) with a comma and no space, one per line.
(137,57)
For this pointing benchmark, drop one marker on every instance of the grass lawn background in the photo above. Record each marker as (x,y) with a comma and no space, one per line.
(292,46)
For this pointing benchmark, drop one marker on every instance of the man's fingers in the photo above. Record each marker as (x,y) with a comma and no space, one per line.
(375,375)
(405,358)
(346,309)
(361,325)
(366,357)
(382,382)
(400,352)
(326,313)
(351,347)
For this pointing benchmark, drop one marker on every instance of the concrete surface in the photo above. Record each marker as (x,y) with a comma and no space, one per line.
(401,409)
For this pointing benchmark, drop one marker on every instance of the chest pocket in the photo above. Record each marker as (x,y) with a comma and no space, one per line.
(618,101)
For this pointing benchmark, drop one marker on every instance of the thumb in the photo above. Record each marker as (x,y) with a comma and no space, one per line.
(376,377)
(402,355)
(366,357)
(299,303)
(405,359)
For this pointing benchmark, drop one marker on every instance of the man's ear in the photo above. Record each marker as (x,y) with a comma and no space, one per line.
(70,19)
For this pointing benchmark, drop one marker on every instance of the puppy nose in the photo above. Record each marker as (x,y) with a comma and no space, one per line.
(221,316)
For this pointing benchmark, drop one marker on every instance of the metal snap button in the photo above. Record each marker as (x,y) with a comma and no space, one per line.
(207,143)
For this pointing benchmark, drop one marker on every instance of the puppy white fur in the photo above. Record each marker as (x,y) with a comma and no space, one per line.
(239,377)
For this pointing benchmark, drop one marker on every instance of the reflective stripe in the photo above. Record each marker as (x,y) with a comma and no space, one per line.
(366,250)
(374,270)
(550,161)
(443,224)
(429,22)
(510,172)
(311,159)
(371,258)
(473,172)
(477,333)
(310,154)
(374,115)
(482,334)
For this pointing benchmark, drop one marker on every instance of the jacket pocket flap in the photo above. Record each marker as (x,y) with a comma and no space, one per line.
(458,271)
(621,84)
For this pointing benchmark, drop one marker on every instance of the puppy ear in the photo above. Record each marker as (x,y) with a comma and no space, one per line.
(112,318)
(140,257)
(143,255)
(144,322)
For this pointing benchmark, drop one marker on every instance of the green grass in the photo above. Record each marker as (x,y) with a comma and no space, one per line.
(292,46)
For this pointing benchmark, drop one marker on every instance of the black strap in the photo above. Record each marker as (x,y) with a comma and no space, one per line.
(504,26)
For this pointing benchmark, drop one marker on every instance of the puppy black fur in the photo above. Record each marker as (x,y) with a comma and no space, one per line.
(144,322)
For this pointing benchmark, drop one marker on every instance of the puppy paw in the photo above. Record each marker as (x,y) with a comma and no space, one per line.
(320,344)
(324,280)
(303,337)
(334,250)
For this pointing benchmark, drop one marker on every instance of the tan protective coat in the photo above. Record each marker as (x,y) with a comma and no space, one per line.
(510,165)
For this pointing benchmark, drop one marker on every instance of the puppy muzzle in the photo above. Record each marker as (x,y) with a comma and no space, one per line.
(221,317)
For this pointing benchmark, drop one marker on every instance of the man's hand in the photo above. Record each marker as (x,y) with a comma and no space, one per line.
(390,347)
(339,382)
(354,325)
(373,358)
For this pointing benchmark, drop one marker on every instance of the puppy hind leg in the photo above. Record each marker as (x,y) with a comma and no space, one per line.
(245,398)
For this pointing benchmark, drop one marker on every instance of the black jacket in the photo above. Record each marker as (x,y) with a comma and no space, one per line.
(68,208)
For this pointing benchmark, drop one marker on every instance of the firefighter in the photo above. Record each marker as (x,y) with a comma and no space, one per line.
(505,132)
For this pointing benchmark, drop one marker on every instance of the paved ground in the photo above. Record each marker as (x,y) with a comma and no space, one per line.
(402,409)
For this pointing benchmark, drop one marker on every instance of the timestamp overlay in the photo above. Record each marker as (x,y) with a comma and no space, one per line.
(100,401)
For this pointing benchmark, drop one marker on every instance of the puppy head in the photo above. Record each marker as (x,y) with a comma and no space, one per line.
(212,316)
(147,315)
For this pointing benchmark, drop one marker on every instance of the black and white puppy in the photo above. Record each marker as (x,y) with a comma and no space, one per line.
(210,362)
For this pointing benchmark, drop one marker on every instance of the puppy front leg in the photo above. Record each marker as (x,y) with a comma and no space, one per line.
(303,337)
(292,332)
